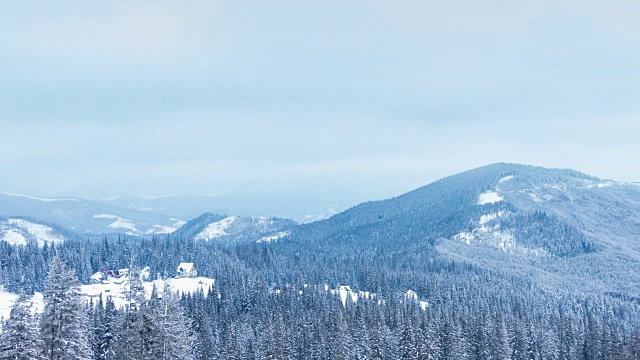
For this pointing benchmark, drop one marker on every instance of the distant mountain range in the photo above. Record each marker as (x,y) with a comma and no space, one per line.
(88,217)
(565,227)
(139,216)
(301,208)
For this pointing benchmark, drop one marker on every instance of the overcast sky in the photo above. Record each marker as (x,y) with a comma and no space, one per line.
(371,97)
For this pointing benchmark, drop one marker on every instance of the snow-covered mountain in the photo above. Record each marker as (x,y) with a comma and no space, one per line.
(87,216)
(562,226)
(137,216)
(236,229)
(20,231)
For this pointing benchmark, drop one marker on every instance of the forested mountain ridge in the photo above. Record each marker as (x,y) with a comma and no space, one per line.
(495,263)
(230,230)
(565,226)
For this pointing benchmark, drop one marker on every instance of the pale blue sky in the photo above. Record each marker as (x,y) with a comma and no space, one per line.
(369,97)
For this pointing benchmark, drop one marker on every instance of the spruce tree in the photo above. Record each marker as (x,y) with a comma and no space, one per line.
(19,339)
(128,340)
(176,337)
(64,322)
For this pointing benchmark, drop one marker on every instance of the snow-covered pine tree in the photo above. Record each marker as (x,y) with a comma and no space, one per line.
(19,339)
(64,322)
(408,348)
(110,323)
(500,347)
(175,328)
(129,338)
(151,332)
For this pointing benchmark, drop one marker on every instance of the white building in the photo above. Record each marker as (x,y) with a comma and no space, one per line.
(187,270)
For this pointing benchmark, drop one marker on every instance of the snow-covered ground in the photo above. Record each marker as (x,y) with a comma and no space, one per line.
(117,288)
(411,295)
(8,299)
(488,232)
(489,197)
(506,178)
(275,237)
(120,223)
(216,229)
(161,229)
(13,237)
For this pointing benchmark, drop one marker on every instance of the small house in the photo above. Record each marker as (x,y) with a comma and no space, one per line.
(122,272)
(187,270)
(107,272)
(97,278)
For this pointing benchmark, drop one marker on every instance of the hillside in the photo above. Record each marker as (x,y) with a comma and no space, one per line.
(20,231)
(223,229)
(554,226)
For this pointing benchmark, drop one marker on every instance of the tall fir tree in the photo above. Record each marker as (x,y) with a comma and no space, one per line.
(64,323)
(128,338)
(19,339)
(176,336)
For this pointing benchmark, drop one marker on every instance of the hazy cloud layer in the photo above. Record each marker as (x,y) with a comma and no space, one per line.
(371,97)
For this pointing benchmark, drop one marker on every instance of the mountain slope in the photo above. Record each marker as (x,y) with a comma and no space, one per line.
(559,227)
(20,231)
(235,229)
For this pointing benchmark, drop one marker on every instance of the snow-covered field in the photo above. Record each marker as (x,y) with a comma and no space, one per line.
(489,197)
(116,288)
(275,237)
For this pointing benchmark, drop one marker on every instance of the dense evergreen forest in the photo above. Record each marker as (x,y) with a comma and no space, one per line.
(271,302)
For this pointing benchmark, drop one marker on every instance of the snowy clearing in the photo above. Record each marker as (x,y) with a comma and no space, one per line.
(8,299)
(117,288)
(216,229)
(275,237)
(161,229)
(120,223)
(490,217)
(489,197)
(506,178)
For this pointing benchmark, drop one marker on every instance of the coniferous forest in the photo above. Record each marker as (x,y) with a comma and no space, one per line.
(271,302)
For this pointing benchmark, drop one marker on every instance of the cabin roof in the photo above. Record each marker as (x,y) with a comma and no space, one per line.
(187,267)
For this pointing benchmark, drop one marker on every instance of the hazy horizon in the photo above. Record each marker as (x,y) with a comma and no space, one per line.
(360,100)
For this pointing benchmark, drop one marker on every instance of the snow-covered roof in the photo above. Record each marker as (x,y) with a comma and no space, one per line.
(97,276)
(187,267)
